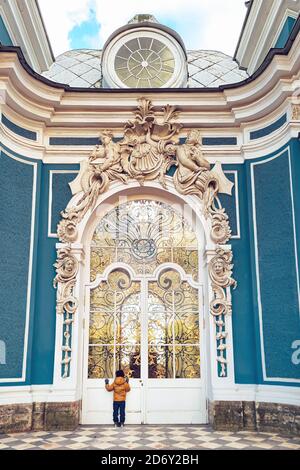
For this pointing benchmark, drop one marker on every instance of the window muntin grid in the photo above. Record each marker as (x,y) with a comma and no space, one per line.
(135,232)
(144,62)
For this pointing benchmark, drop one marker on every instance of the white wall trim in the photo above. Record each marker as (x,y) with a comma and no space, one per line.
(7,25)
(237,236)
(260,307)
(30,266)
(288,13)
(50,196)
(251,392)
(259,393)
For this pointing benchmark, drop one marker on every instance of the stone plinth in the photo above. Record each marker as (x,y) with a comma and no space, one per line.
(39,416)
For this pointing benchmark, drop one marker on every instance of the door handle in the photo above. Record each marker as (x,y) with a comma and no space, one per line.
(141,382)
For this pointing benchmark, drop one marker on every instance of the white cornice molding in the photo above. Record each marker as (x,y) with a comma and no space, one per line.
(25,26)
(262,41)
(239,392)
(258,393)
(254,25)
(37,34)
(7,23)
(244,149)
(287,13)
(262,29)
(36,100)
(51,111)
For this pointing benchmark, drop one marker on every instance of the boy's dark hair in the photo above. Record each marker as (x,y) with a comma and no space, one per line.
(120,373)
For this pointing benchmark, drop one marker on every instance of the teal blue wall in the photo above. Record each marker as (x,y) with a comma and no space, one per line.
(5,39)
(280,312)
(44,326)
(16,194)
(277,263)
(242,318)
(285,32)
(16,183)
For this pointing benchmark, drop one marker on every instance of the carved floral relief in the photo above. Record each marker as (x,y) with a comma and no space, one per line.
(220,272)
(66,304)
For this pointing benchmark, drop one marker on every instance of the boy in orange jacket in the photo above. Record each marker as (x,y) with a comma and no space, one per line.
(120,387)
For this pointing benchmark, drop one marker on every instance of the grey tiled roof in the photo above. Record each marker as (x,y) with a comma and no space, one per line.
(78,68)
(212,69)
(82,68)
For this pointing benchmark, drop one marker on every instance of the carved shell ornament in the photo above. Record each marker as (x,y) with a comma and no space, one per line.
(149,148)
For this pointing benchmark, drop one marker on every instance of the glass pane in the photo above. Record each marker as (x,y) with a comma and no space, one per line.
(186,328)
(128,327)
(187,259)
(101,327)
(101,362)
(100,259)
(124,52)
(186,299)
(102,298)
(145,234)
(128,358)
(133,44)
(120,63)
(187,362)
(145,43)
(160,362)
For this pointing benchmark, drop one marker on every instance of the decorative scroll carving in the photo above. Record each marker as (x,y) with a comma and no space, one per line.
(66,271)
(149,148)
(220,271)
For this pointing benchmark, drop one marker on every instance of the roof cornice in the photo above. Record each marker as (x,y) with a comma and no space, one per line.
(262,25)
(273,53)
(36,101)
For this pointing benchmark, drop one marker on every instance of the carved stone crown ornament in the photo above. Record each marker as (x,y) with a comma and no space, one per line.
(149,148)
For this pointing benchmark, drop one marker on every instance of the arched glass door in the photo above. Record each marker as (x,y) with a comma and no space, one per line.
(145,315)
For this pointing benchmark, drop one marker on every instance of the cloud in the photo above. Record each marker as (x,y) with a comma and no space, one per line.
(60,17)
(203,24)
(86,34)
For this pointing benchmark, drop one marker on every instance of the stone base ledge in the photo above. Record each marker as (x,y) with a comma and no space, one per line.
(223,416)
(255,416)
(39,417)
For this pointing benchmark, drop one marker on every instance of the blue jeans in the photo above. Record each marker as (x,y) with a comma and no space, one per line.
(119,407)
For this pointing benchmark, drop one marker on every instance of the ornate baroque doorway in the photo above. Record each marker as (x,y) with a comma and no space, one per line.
(140,296)
(145,316)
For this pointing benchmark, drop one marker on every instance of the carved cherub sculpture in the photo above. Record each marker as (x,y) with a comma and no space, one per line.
(100,174)
(193,172)
(112,153)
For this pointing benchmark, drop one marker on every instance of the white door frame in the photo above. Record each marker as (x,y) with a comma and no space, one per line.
(146,383)
(69,389)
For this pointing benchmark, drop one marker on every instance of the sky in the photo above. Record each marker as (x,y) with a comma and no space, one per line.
(202,24)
